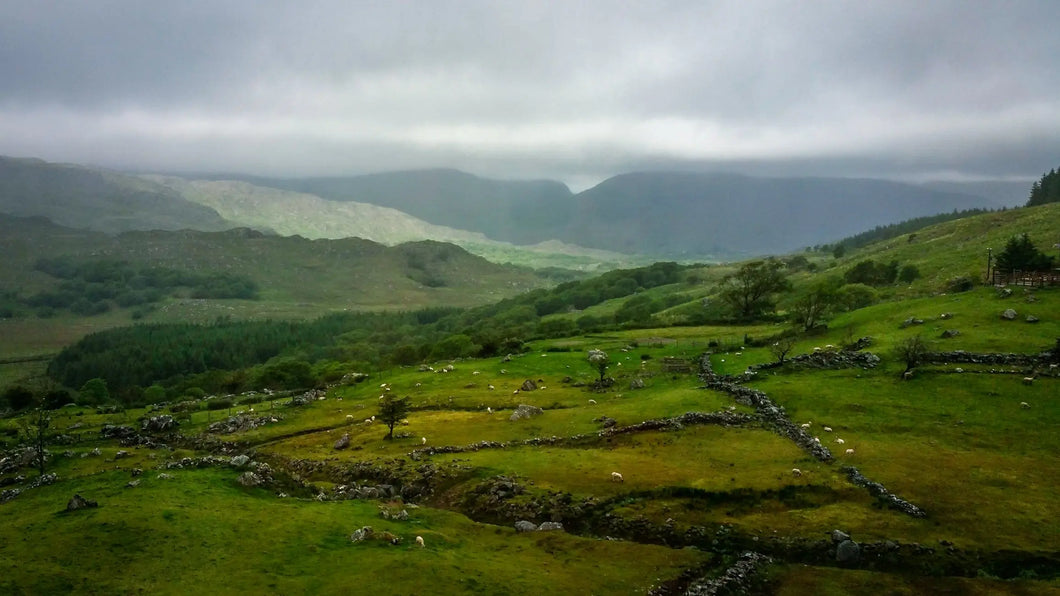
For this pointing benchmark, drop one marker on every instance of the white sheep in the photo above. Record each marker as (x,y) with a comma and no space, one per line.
(849,451)
(839,441)
(1028,380)
(489,410)
(491,387)
(806,425)
(349,417)
(828,429)
(515,392)
(796,472)
(475,372)
(419,541)
(1025,405)
(367,420)
(423,440)
(616,477)
(817,440)
(592,402)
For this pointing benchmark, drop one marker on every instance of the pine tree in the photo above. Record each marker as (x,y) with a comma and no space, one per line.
(1046,190)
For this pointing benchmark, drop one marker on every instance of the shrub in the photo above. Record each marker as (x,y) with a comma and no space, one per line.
(221,403)
(908,273)
(960,284)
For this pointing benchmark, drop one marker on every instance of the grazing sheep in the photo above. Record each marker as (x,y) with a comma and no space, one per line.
(475,372)
(419,541)
(828,429)
(849,451)
(489,410)
(592,402)
(515,392)
(817,440)
(839,441)
(796,472)
(423,440)
(806,425)
(491,387)
(349,417)
(616,477)
(1028,380)
(959,369)
(367,420)
(907,375)
(1025,405)
(817,349)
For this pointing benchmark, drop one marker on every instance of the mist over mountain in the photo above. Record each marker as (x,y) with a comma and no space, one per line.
(101,200)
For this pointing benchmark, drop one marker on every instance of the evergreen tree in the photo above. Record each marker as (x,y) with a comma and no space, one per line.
(1046,190)
(1021,254)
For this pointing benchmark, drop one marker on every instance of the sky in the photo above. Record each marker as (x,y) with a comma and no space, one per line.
(572,91)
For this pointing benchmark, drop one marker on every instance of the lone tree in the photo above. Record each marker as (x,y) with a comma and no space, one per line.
(782,347)
(812,306)
(749,291)
(1020,253)
(911,352)
(599,360)
(35,430)
(392,410)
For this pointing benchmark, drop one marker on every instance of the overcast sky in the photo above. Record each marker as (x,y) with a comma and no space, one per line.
(575,91)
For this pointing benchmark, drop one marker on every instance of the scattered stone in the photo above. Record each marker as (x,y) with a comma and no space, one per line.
(550,526)
(911,321)
(950,333)
(164,476)
(158,424)
(528,385)
(637,383)
(1009,314)
(240,460)
(839,536)
(132,484)
(946,315)
(387,513)
(240,423)
(79,502)
(364,533)
(121,454)
(525,526)
(1032,319)
(848,552)
(343,442)
(111,431)
(605,421)
(136,472)
(250,479)
(525,411)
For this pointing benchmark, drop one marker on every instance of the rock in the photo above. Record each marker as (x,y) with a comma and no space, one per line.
(637,383)
(1009,314)
(79,502)
(911,321)
(525,526)
(343,442)
(1032,319)
(839,536)
(950,333)
(848,551)
(132,484)
(528,385)
(164,476)
(605,421)
(364,533)
(946,315)
(121,454)
(250,479)
(137,472)
(239,461)
(162,423)
(550,526)
(525,411)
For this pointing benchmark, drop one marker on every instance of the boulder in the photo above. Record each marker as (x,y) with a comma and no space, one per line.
(637,383)
(528,385)
(1009,314)
(162,423)
(250,479)
(946,315)
(364,533)
(848,552)
(605,421)
(525,526)
(1032,319)
(525,411)
(550,526)
(79,502)
(950,333)
(911,321)
(343,442)
(839,536)
(239,461)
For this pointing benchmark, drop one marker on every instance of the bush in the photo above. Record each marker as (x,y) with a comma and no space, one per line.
(908,273)
(855,296)
(960,284)
(221,403)
(184,406)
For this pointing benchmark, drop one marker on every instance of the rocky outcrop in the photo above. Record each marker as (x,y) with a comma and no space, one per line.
(79,502)
(525,411)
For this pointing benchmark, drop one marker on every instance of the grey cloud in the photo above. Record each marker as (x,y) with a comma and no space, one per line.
(535,89)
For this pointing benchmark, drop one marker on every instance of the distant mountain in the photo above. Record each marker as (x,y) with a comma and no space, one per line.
(1001,193)
(97,199)
(296,276)
(516,211)
(677,214)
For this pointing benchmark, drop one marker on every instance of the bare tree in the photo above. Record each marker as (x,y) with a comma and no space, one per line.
(35,430)
(782,347)
(911,352)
